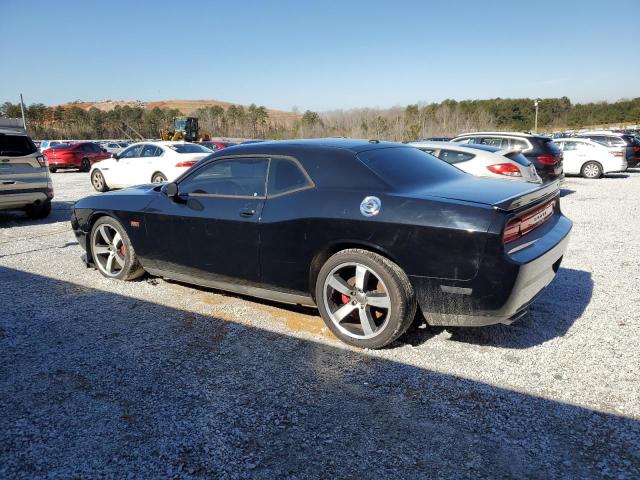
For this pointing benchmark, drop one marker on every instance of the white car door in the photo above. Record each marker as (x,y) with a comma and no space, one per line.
(572,156)
(124,171)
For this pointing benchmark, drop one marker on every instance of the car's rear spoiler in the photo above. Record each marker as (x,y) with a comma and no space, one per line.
(513,203)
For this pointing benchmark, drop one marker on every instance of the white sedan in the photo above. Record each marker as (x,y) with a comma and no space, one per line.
(483,160)
(591,159)
(146,162)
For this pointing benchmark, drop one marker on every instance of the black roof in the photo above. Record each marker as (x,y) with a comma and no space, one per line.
(350,144)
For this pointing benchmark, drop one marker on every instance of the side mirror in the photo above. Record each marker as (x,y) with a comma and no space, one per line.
(104,150)
(115,156)
(171,189)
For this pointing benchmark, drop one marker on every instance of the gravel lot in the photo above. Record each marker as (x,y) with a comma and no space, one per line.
(153,379)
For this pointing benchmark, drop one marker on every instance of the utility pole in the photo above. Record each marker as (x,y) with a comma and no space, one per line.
(24,120)
(535,102)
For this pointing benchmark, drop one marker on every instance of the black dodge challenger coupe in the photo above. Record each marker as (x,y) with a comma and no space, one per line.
(368,231)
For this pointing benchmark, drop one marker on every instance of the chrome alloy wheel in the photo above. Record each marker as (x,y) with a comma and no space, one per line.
(109,251)
(591,171)
(98,180)
(357,300)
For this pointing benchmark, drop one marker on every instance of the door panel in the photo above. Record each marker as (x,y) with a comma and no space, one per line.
(211,229)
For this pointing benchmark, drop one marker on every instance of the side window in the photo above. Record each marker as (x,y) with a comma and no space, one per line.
(616,142)
(495,142)
(569,146)
(466,140)
(453,157)
(285,176)
(518,143)
(96,148)
(241,177)
(159,152)
(131,152)
(148,151)
(600,139)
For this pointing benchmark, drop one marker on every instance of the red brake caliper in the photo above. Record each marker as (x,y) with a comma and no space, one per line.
(344,299)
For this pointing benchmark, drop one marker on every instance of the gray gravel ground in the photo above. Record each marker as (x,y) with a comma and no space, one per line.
(154,379)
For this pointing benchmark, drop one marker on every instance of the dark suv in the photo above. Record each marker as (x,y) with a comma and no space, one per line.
(539,150)
(630,144)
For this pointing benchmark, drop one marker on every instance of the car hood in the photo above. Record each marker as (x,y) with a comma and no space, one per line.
(504,194)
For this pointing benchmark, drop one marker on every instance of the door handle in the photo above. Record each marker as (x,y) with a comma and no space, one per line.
(247,213)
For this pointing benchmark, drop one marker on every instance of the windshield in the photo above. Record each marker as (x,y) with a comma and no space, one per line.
(16,145)
(189,148)
(408,167)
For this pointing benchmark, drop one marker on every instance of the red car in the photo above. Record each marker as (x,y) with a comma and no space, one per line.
(215,146)
(80,155)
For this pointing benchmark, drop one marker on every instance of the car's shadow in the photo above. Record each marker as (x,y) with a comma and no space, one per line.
(566,192)
(612,176)
(60,212)
(550,316)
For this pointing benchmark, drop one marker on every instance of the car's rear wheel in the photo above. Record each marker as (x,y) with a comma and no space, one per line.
(98,181)
(53,169)
(591,170)
(112,252)
(85,165)
(158,177)
(365,299)
(39,211)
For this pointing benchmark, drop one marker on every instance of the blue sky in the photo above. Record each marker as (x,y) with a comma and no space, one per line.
(318,55)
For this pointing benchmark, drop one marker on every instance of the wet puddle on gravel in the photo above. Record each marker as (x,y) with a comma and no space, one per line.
(294,321)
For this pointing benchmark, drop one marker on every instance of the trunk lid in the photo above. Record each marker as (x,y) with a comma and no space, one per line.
(503,194)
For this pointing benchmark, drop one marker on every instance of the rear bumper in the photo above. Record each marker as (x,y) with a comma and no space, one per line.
(15,199)
(503,289)
(62,164)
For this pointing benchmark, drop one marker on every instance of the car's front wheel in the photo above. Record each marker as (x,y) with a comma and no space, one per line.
(365,299)
(591,170)
(112,252)
(158,177)
(53,169)
(98,181)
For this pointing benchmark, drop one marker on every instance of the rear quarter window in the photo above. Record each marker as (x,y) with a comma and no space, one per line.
(452,157)
(16,145)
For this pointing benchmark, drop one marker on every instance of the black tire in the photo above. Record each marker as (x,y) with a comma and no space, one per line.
(131,268)
(53,169)
(85,165)
(39,211)
(592,170)
(98,181)
(158,177)
(399,291)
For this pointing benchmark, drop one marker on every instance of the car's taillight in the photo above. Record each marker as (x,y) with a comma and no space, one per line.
(42,160)
(617,153)
(186,163)
(548,159)
(507,169)
(521,225)
(636,148)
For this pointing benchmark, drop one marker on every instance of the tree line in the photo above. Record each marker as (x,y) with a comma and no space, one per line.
(446,118)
